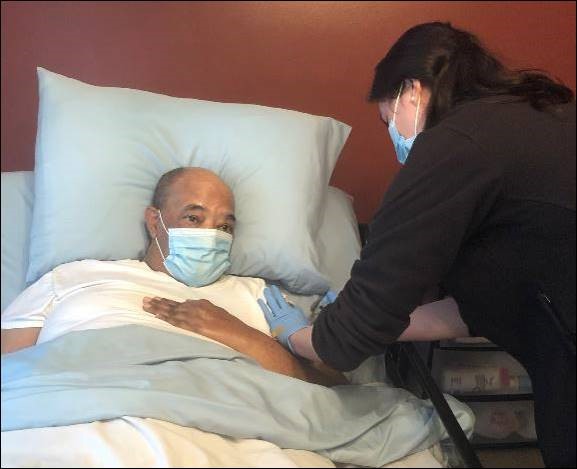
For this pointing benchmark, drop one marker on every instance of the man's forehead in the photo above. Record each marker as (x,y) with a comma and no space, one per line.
(194,182)
(191,194)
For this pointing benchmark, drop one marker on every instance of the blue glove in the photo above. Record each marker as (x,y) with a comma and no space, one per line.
(283,319)
(330,297)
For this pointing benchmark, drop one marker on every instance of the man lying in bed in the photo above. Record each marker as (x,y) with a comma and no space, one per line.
(179,286)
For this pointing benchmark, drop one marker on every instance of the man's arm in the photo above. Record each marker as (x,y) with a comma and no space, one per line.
(16,339)
(273,356)
(23,319)
(205,318)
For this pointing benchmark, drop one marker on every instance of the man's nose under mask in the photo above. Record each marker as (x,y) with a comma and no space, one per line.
(197,256)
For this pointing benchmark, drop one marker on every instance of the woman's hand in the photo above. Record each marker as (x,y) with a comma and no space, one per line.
(200,316)
(284,318)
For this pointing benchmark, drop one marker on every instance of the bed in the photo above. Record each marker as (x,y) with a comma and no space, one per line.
(435,438)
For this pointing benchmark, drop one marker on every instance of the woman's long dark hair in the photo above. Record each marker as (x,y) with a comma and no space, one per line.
(455,66)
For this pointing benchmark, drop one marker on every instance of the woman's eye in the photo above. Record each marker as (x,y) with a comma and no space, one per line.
(192,218)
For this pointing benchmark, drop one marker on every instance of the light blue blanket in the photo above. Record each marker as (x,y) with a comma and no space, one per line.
(103,374)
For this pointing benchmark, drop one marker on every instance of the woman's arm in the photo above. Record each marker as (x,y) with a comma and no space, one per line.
(433,321)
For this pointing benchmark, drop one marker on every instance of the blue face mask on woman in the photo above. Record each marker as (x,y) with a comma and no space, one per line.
(197,256)
(402,145)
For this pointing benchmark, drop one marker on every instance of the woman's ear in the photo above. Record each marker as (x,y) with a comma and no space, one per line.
(416,90)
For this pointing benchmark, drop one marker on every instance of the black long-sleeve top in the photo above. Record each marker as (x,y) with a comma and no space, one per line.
(484,205)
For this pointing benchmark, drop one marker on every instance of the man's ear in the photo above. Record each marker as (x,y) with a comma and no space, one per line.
(151,220)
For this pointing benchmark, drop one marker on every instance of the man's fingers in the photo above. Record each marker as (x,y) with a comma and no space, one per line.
(166,316)
(165,301)
(158,305)
(168,319)
(161,307)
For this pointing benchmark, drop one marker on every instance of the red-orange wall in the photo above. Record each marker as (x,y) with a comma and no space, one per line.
(315,57)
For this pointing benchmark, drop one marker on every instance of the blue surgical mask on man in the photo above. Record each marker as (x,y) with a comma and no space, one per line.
(402,145)
(197,256)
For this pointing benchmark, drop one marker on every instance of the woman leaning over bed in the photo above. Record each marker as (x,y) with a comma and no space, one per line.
(483,207)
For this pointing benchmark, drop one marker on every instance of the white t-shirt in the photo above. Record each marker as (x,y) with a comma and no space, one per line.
(93,294)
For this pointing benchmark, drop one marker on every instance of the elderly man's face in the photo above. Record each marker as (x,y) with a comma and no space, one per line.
(196,199)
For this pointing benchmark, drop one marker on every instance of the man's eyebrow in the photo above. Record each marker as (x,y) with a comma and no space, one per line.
(230,216)
(193,207)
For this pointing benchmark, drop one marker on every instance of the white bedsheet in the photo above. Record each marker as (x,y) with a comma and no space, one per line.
(138,442)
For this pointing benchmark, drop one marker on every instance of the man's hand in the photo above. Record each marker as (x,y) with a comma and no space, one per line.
(283,318)
(200,316)
(207,319)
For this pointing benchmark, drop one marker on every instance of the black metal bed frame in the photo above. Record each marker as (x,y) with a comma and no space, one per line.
(406,369)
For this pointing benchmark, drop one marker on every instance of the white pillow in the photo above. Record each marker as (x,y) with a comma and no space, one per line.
(100,152)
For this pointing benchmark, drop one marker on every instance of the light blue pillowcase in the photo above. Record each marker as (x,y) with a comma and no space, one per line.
(100,152)
(17,201)
(338,234)
(338,244)
(338,240)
